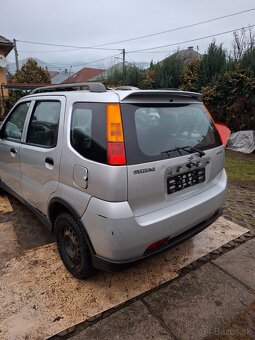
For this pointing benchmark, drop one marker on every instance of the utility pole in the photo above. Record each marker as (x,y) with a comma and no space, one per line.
(16,54)
(69,73)
(124,63)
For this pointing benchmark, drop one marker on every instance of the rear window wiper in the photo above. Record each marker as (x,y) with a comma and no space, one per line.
(189,149)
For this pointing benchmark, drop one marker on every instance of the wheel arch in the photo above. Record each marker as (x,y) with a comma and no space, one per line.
(57,206)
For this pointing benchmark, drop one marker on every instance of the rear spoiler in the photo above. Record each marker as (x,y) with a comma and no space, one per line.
(159,95)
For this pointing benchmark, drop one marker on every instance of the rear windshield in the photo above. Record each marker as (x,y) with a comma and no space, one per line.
(150,130)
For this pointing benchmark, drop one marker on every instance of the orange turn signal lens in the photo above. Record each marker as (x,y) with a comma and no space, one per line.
(114,123)
(116,154)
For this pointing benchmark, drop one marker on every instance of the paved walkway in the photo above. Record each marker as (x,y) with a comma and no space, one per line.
(240,206)
(215,300)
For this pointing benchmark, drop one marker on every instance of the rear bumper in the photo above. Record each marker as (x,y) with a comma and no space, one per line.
(118,237)
(113,266)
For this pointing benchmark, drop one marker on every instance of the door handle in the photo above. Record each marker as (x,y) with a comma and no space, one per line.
(13,150)
(49,161)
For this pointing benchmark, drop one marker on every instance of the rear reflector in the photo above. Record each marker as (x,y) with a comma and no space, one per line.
(116,154)
(157,244)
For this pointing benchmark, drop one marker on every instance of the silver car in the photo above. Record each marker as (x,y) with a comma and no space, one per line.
(117,175)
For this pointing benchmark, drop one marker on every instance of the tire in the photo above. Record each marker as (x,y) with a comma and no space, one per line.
(2,192)
(72,246)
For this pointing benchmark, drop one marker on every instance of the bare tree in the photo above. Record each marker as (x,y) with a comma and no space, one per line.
(243,40)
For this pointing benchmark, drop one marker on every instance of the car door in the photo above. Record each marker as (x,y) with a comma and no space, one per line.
(41,151)
(11,134)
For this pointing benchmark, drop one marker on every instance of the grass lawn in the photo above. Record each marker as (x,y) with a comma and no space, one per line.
(240,169)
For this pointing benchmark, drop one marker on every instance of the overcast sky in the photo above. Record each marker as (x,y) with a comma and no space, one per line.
(90,23)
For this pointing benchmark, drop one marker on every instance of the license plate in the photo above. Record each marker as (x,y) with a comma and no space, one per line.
(183,181)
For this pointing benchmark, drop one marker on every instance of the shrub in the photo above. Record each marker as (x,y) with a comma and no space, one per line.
(231,99)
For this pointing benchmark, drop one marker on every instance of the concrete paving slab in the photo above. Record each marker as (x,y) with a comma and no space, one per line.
(5,206)
(38,297)
(129,323)
(200,303)
(240,263)
(219,233)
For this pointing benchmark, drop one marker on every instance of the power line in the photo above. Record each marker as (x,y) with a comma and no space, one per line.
(68,46)
(162,51)
(132,60)
(135,38)
(175,29)
(72,49)
(191,40)
(59,66)
(96,61)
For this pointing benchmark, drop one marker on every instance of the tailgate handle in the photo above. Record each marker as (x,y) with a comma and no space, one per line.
(49,161)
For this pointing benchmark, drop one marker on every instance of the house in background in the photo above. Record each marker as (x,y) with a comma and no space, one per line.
(85,74)
(188,55)
(60,77)
(6,47)
(104,75)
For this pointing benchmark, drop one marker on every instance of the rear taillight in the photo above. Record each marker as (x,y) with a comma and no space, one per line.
(116,154)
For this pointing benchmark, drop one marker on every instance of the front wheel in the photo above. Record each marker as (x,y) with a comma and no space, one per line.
(72,246)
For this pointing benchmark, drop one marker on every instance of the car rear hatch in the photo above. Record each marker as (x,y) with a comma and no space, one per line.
(173,150)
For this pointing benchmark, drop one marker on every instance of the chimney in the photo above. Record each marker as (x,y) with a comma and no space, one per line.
(190,48)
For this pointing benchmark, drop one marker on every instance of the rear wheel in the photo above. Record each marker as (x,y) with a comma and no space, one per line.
(72,246)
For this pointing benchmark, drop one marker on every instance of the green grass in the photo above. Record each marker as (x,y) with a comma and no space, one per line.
(240,170)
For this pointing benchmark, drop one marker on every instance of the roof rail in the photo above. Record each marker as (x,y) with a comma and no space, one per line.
(126,88)
(169,89)
(91,86)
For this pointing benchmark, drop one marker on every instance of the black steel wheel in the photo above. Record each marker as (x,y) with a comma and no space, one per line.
(72,246)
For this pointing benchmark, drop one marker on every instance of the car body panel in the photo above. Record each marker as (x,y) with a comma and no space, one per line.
(40,179)
(9,164)
(10,161)
(147,191)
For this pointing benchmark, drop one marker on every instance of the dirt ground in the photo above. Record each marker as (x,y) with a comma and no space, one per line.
(23,229)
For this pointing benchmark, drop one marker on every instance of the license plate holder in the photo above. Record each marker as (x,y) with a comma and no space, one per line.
(185,180)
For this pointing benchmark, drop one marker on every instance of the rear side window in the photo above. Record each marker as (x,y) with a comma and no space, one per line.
(152,129)
(43,126)
(88,131)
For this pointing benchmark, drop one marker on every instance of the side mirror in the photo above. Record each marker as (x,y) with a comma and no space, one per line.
(224,132)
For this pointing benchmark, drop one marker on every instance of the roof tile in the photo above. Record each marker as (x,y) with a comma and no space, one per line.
(3,40)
